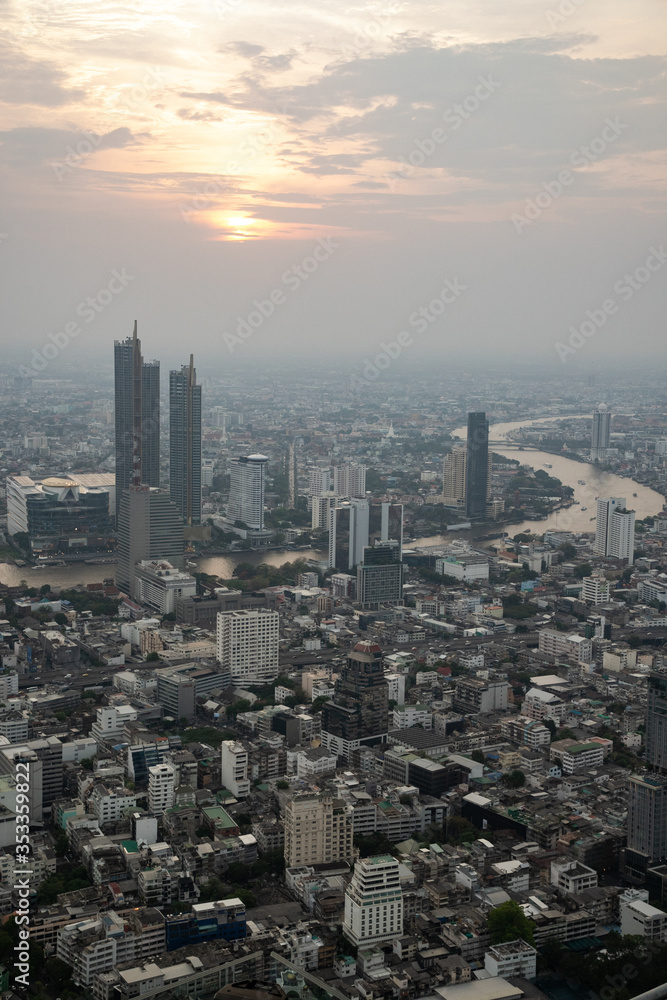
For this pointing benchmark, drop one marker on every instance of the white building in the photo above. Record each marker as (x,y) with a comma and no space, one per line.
(513,958)
(573,877)
(318,830)
(158,584)
(577,756)
(615,529)
(110,805)
(601,432)
(161,788)
(396,686)
(247,644)
(639,917)
(595,590)
(374,902)
(539,704)
(555,643)
(406,716)
(234,768)
(108,726)
(246,491)
(466,566)
(349,481)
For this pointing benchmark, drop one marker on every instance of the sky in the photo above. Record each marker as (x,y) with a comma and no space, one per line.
(253,180)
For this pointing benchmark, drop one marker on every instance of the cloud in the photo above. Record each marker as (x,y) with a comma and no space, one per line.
(34,146)
(25,80)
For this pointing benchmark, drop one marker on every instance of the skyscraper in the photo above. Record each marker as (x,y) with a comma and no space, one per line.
(656,722)
(477,465)
(374,902)
(385,524)
(615,529)
(359,710)
(246,491)
(185,442)
(349,480)
(601,432)
(150,526)
(137,416)
(646,823)
(348,533)
(247,643)
(454,478)
(380,575)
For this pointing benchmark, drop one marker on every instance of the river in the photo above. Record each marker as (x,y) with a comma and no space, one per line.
(597,483)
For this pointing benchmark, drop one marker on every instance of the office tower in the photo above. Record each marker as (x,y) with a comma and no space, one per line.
(601,432)
(348,533)
(646,823)
(137,416)
(246,491)
(318,831)
(177,693)
(349,481)
(161,788)
(656,722)
(477,465)
(150,527)
(185,471)
(234,768)
(615,529)
(292,478)
(380,576)
(454,478)
(358,713)
(248,645)
(385,524)
(374,903)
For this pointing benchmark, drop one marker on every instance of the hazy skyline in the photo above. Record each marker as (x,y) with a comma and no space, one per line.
(328,170)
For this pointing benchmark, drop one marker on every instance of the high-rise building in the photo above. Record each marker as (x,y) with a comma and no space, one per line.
(359,711)
(615,529)
(349,480)
(137,416)
(246,491)
(234,768)
(185,468)
(380,576)
(161,788)
(318,830)
(601,432)
(150,527)
(385,524)
(374,903)
(248,644)
(348,533)
(656,722)
(646,823)
(454,478)
(477,465)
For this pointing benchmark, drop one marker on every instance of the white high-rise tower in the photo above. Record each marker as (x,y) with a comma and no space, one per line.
(601,432)
(246,491)
(615,529)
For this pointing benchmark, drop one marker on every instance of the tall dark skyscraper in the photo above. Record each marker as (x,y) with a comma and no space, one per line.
(359,711)
(656,723)
(137,417)
(185,442)
(477,465)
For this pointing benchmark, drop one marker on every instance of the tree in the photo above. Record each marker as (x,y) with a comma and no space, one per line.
(152,657)
(478,757)
(515,778)
(508,922)
(282,784)
(87,763)
(62,844)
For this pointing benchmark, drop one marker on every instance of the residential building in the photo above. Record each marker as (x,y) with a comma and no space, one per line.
(638,917)
(540,704)
(513,958)
(576,756)
(348,533)
(349,480)
(185,462)
(150,527)
(318,830)
(524,731)
(234,768)
(572,876)
(374,903)
(380,576)
(247,643)
(454,479)
(177,693)
(406,716)
(600,433)
(575,647)
(595,589)
(474,696)
(100,943)
(161,788)
(615,529)
(646,822)
(656,722)
(246,491)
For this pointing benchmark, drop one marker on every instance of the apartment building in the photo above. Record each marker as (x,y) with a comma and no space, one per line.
(317,830)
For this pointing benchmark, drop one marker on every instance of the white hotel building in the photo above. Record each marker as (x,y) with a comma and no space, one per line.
(374,902)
